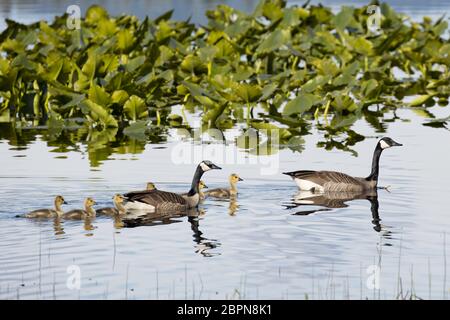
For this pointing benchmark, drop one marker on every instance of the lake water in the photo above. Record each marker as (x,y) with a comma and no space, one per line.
(255,248)
(262,246)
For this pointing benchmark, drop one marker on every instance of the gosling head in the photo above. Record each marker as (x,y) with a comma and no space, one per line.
(202,185)
(207,165)
(118,198)
(234,178)
(387,142)
(89,202)
(151,186)
(59,200)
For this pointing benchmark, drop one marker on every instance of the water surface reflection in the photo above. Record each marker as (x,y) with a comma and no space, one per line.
(333,200)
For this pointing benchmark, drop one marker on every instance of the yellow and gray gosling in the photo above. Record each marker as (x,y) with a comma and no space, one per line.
(88,211)
(118,210)
(150,186)
(224,193)
(201,186)
(48,213)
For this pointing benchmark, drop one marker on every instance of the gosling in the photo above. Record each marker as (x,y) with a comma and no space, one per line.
(118,209)
(201,186)
(79,214)
(224,193)
(48,213)
(150,186)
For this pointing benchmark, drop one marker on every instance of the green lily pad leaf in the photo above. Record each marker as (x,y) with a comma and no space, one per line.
(302,103)
(343,102)
(135,108)
(135,63)
(368,87)
(315,83)
(98,113)
(119,97)
(96,13)
(98,95)
(274,41)
(193,64)
(248,92)
(268,91)
(125,40)
(420,100)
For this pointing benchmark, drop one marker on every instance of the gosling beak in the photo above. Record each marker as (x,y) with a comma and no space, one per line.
(205,186)
(213,166)
(240,179)
(396,144)
(65,202)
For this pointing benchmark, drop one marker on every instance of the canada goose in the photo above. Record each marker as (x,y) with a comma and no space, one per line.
(201,186)
(150,186)
(163,201)
(321,181)
(88,211)
(48,213)
(224,192)
(118,204)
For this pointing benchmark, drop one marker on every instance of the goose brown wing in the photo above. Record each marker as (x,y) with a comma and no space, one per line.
(323,177)
(155,197)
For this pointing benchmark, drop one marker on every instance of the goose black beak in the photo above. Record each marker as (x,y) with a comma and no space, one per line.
(396,144)
(213,166)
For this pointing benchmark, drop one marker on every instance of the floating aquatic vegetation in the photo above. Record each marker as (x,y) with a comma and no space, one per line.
(278,67)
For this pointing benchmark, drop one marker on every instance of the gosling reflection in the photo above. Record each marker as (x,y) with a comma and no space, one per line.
(233,207)
(333,200)
(88,226)
(58,228)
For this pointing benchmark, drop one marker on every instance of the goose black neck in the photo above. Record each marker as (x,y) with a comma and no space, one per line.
(375,164)
(197,176)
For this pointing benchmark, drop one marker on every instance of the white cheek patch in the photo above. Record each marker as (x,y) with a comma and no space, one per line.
(384,145)
(204,166)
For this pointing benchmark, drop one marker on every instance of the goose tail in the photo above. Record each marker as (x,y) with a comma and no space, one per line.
(291,174)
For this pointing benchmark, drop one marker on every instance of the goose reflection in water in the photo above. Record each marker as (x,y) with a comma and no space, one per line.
(333,200)
(203,245)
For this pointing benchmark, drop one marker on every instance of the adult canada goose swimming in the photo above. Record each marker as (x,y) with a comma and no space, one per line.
(88,211)
(321,181)
(48,213)
(201,186)
(225,192)
(163,201)
(118,207)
